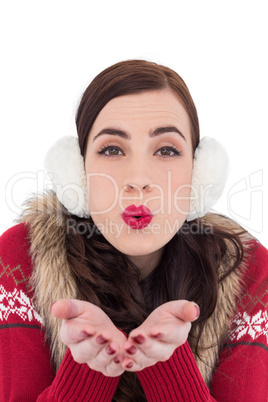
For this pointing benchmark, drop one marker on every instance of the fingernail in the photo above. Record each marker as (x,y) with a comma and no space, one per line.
(100,340)
(110,350)
(197,310)
(139,339)
(116,360)
(85,334)
(159,335)
(132,350)
(129,365)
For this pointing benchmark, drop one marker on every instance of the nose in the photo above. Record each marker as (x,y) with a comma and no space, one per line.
(133,187)
(138,176)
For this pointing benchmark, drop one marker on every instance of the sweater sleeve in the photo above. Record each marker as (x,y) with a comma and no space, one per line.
(26,371)
(242,372)
(177,379)
(78,382)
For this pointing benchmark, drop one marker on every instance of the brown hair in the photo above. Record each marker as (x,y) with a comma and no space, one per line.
(191,260)
(130,77)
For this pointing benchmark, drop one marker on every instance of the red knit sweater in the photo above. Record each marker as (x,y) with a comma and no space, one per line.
(26,373)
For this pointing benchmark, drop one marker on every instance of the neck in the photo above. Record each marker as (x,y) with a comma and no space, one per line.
(146,263)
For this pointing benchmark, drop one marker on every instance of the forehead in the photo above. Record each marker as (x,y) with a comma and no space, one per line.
(151,107)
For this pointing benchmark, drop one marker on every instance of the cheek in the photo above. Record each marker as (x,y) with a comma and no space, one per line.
(181,190)
(181,199)
(102,191)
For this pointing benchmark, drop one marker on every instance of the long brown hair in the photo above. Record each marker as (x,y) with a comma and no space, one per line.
(189,265)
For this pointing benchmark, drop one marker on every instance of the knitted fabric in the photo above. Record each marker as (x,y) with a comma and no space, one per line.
(25,357)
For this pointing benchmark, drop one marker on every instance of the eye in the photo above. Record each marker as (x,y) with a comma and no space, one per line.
(168,152)
(111,150)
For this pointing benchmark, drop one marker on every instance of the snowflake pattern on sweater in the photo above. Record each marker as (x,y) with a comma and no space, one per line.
(253,326)
(17,303)
(241,374)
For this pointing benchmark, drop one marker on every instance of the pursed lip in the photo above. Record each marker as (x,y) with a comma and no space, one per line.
(137,217)
(132,210)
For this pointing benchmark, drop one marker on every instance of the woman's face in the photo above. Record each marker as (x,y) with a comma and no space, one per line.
(139,154)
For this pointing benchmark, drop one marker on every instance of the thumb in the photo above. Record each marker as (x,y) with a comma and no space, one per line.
(184,310)
(190,312)
(67,308)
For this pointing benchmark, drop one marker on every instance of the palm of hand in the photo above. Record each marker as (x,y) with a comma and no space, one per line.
(165,329)
(93,338)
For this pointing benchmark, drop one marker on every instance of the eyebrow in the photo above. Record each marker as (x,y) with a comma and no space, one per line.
(126,135)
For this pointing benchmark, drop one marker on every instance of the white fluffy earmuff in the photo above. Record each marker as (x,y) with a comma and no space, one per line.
(210,172)
(65,164)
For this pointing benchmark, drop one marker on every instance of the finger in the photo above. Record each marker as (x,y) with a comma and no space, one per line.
(137,337)
(130,365)
(190,311)
(74,331)
(106,354)
(140,359)
(114,369)
(69,308)
(133,358)
(173,333)
(143,353)
(94,350)
(184,310)
(104,358)
(84,351)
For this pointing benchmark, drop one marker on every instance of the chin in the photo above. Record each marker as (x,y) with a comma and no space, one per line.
(138,248)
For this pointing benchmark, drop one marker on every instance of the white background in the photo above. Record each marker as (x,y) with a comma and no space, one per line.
(51,50)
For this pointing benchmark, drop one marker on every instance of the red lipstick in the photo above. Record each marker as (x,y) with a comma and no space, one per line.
(137,217)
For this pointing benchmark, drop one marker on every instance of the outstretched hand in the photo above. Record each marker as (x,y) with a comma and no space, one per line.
(93,338)
(165,329)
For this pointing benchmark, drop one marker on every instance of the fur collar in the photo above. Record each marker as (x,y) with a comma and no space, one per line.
(52,280)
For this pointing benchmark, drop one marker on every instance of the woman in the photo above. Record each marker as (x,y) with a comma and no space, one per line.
(119,284)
